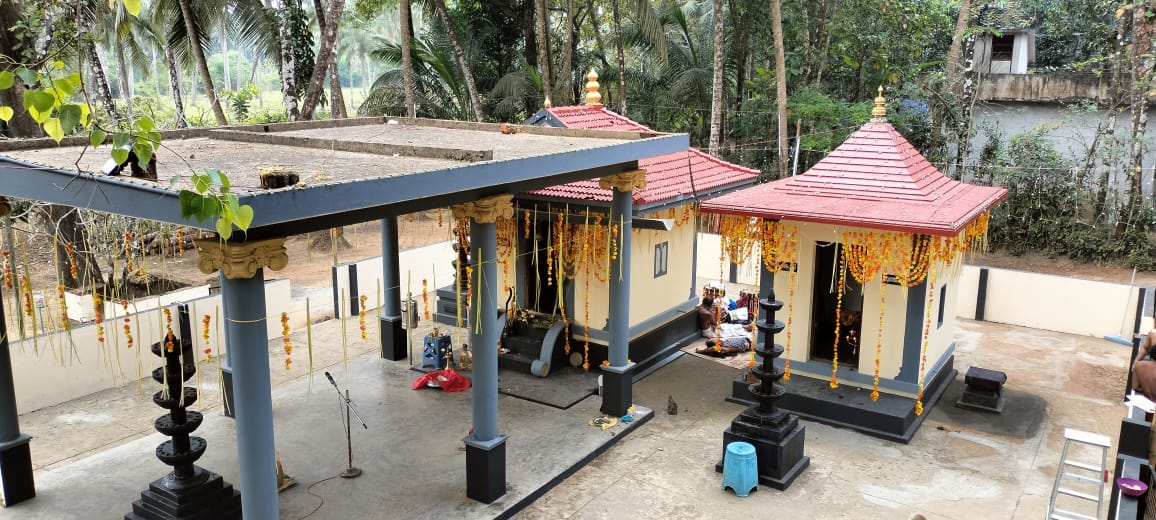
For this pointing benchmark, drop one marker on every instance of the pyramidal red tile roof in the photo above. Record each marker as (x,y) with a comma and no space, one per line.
(875,179)
(669,177)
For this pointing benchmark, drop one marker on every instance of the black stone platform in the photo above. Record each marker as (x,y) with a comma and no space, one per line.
(892,417)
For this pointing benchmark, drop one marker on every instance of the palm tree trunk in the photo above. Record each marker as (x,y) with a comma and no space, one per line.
(566,67)
(336,98)
(288,65)
(542,18)
(717,81)
(961,24)
(225,58)
(1141,46)
(780,83)
(202,65)
(99,80)
(407,58)
(328,42)
(175,87)
(471,88)
(125,84)
(621,58)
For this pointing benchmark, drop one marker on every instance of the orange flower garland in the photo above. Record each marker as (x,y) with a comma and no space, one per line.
(64,323)
(180,243)
(586,297)
(128,250)
(27,286)
(794,279)
(127,324)
(441,217)
(879,341)
(71,253)
(168,329)
(205,334)
(285,339)
(526,213)
(425,298)
(838,321)
(361,317)
(926,335)
(98,314)
(469,284)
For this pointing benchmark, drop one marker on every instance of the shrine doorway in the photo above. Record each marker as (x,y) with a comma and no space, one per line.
(824,299)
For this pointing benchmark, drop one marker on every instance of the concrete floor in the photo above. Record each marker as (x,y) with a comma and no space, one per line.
(94,455)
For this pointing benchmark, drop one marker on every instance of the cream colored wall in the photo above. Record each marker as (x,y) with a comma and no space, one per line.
(649,296)
(940,337)
(894,323)
(54,368)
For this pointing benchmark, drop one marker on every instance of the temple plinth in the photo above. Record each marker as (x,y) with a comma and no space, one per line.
(775,433)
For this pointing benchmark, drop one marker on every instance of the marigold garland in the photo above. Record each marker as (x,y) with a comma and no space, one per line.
(128,251)
(526,233)
(794,279)
(168,329)
(838,322)
(180,243)
(879,341)
(441,217)
(127,324)
(425,298)
(361,317)
(586,296)
(285,339)
(64,323)
(926,336)
(71,253)
(205,334)
(27,287)
(98,315)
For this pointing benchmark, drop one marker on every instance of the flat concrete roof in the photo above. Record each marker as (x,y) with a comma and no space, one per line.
(351,170)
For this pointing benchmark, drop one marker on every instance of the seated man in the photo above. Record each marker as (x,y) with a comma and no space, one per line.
(708,314)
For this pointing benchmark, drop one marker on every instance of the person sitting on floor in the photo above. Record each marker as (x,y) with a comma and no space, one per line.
(710,327)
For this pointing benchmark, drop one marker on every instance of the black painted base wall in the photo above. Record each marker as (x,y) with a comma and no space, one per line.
(892,417)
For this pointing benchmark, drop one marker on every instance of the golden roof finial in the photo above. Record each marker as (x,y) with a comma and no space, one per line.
(547,104)
(879,113)
(593,97)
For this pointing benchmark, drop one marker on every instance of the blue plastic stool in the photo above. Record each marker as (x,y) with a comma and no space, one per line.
(740,468)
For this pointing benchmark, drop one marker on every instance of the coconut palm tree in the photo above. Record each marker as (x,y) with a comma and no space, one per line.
(460,56)
(719,63)
(439,85)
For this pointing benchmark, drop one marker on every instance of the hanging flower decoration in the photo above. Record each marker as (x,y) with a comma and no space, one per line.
(64,323)
(127,324)
(361,317)
(205,335)
(441,217)
(98,315)
(128,250)
(926,340)
(169,337)
(288,344)
(180,243)
(842,284)
(425,298)
(26,284)
(526,214)
(469,283)
(587,260)
(70,251)
(7,272)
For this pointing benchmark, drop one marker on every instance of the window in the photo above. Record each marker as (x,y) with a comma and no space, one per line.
(942,304)
(661,253)
(1001,48)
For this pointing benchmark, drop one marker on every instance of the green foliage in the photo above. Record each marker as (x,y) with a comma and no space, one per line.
(210,198)
(240,100)
(301,46)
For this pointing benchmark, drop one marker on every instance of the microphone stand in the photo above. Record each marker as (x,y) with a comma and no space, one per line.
(347,404)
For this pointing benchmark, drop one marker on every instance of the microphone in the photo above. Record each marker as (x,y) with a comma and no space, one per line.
(331,381)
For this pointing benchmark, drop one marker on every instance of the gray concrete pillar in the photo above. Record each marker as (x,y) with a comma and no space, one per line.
(243,294)
(393,339)
(485,448)
(618,377)
(227,364)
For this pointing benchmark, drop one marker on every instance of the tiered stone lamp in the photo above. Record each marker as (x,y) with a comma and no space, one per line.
(775,433)
(188,491)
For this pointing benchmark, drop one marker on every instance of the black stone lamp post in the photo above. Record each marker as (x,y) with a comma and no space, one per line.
(188,491)
(776,434)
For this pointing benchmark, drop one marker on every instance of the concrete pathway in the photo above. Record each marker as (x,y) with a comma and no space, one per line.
(94,455)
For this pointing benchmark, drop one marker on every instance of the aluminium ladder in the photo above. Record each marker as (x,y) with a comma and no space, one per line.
(1062,473)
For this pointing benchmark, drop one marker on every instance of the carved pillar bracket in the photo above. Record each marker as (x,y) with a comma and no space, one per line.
(625,181)
(486,211)
(241,261)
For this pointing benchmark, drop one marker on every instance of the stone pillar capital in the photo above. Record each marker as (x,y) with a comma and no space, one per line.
(240,261)
(5,207)
(487,210)
(625,181)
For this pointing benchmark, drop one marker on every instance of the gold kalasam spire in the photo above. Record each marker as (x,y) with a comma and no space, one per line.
(547,104)
(593,97)
(879,113)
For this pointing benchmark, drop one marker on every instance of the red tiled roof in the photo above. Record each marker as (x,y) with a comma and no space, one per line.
(875,179)
(668,177)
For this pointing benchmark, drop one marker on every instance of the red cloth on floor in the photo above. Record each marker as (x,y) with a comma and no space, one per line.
(448,380)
